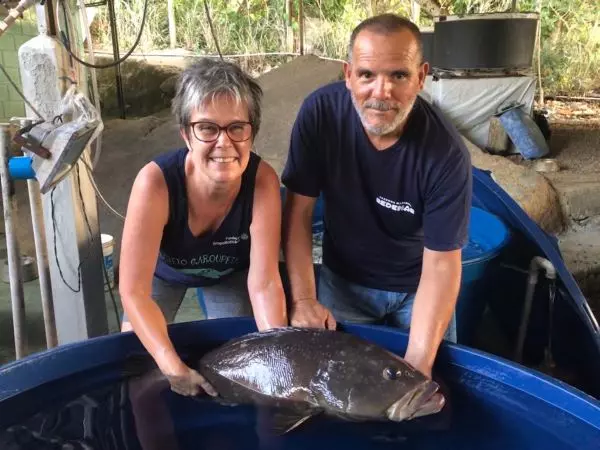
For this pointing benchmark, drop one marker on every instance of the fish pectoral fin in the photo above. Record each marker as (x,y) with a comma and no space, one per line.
(284,421)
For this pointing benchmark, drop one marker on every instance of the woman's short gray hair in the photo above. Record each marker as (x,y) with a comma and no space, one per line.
(207,79)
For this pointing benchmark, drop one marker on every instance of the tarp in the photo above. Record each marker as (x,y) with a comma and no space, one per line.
(470,102)
(575,336)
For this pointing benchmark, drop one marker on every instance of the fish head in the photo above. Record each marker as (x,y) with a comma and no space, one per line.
(422,400)
(379,385)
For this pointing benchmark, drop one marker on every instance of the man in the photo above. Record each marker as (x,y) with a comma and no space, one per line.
(396,183)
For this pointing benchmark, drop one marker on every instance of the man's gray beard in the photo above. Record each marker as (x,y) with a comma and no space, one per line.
(385,129)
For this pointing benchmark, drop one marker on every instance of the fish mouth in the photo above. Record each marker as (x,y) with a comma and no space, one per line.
(421,401)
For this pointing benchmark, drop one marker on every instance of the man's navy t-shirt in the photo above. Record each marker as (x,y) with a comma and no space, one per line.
(381,207)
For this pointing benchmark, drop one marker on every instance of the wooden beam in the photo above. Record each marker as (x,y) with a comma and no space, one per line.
(172,28)
(301,25)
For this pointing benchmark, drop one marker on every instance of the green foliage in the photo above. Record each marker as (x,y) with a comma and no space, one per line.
(570,30)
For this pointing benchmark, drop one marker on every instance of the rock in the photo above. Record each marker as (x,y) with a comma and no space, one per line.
(168,86)
(532,191)
(580,248)
(578,194)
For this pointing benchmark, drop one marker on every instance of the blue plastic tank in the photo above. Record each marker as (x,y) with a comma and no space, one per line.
(81,396)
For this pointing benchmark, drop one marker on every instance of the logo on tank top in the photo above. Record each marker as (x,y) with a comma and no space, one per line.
(395,206)
(232,240)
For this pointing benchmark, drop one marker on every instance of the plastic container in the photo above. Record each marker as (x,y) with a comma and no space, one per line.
(488,235)
(107,257)
(78,394)
(524,133)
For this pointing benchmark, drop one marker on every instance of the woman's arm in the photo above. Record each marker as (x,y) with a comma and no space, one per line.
(264,281)
(147,214)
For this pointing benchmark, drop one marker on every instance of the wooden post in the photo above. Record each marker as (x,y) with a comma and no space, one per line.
(172,28)
(415,12)
(538,44)
(301,25)
(289,32)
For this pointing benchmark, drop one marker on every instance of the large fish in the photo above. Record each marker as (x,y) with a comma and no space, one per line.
(304,372)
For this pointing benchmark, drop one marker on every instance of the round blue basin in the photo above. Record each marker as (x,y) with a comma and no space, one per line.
(80,395)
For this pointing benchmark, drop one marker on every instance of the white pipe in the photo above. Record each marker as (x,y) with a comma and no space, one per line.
(536,263)
(145,55)
(15,272)
(39,238)
(14,14)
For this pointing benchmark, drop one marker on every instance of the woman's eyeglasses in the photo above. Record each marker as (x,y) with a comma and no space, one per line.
(210,131)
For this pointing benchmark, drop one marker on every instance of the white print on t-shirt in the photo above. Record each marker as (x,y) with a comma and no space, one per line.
(395,206)
(232,240)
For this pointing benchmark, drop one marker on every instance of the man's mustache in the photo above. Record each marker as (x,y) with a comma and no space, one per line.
(379,105)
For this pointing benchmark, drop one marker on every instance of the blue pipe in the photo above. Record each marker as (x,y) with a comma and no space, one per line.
(20,168)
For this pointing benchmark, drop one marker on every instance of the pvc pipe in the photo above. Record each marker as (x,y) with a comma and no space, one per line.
(536,263)
(21,168)
(39,237)
(15,272)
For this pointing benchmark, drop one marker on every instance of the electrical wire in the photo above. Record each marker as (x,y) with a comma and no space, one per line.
(16,88)
(212,29)
(98,193)
(120,60)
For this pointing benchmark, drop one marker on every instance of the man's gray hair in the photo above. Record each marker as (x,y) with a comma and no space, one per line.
(207,79)
(385,24)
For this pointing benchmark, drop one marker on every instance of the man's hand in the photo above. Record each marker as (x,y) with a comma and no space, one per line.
(310,313)
(188,382)
(418,363)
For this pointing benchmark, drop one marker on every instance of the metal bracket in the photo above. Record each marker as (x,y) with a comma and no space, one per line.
(33,145)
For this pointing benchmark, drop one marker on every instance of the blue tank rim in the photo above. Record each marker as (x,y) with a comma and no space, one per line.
(20,377)
(491,254)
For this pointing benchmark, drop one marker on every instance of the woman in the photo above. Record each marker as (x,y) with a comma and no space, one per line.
(207,215)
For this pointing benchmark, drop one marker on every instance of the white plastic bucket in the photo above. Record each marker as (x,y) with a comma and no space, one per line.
(107,256)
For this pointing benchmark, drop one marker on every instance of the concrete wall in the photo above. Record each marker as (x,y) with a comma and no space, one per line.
(20,32)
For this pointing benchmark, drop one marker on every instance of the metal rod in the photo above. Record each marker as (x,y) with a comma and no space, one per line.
(52,28)
(116,56)
(39,237)
(15,273)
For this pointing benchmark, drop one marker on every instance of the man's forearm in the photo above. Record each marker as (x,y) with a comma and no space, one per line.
(298,258)
(433,307)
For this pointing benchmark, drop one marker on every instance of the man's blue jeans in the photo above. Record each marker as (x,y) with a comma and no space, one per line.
(350,302)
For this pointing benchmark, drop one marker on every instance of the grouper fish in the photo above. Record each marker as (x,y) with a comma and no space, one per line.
(303,372)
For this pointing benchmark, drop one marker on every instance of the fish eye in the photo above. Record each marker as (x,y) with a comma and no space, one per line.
(391,373)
